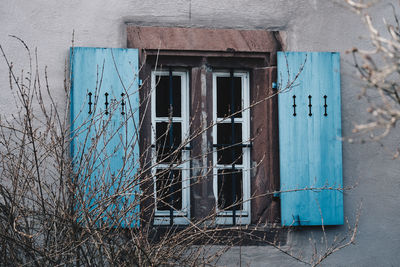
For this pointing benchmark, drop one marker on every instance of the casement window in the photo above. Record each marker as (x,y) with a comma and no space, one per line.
(219,142)
(170,155)
(231,143)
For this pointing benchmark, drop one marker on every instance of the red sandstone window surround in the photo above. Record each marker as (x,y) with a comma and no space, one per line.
(205,55)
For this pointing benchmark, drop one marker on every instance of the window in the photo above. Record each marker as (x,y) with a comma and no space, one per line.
(170,161)
(231,143)
(208,174)
(211,129)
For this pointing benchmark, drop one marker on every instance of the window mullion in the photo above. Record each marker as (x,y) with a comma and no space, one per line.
(233,151)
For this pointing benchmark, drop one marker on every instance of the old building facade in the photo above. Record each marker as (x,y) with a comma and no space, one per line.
(208,44)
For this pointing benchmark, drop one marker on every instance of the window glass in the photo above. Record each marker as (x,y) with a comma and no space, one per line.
(168,140)
(164,96)
(169,189)
(226,197)
(224,96)
(229,151)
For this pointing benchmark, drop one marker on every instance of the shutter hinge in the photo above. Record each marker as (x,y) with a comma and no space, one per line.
(274,85)
(140,82)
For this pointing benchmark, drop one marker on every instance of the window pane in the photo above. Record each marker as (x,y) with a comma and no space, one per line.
(169,189)
(163,96)
(168,140)
(228,153)
(226,179)
(224,96)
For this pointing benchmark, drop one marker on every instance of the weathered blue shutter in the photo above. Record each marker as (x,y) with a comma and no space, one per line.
(310,138)
(104,131)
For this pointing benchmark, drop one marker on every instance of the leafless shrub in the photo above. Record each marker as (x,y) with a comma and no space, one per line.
(379,70)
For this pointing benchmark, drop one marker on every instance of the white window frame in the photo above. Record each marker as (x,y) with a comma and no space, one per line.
(162,216)
(242,216)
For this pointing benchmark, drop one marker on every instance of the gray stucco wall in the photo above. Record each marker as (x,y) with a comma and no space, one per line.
(310,25)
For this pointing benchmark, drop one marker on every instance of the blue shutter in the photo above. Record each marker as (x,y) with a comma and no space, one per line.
(310,141)
(104,131)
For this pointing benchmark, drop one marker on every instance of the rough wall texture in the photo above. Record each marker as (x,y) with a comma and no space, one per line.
(310,25)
